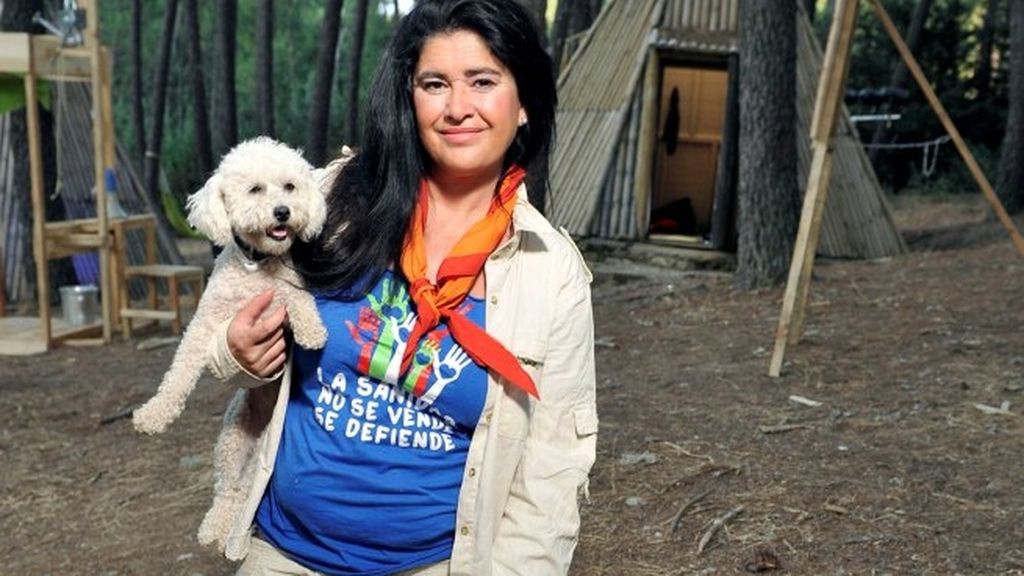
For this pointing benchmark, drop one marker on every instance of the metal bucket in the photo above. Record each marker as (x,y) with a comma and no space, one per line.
(81,304)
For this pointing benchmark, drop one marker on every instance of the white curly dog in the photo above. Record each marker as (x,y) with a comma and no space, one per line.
(261,198)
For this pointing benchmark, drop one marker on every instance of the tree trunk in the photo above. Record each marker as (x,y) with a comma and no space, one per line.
(201,122)
(264,62)
(898,80)
(571,18)
(225,115)
(16,16)
(355,60)
(156,135)
(1010,184)
(982,80)
(135,56)
(319,107)
(538,9)
(769,198)
(810,8)
(559,31)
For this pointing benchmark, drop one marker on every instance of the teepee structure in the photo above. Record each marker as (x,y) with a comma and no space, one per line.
(648,130)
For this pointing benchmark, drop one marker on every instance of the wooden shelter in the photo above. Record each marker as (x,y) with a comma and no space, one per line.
(35,58)
(648,130)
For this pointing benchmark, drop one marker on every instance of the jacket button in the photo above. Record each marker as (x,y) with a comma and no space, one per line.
(472,472)
(494,300)
(465,531)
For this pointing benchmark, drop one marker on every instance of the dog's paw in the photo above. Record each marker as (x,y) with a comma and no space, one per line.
(312,337)
(148,420)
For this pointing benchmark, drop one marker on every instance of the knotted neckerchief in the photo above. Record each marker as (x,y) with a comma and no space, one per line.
(455,277)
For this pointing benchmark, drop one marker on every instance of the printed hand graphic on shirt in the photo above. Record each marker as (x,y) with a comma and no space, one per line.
(400,336)
(446,371)
(422,364)
(391,309)
(365,334)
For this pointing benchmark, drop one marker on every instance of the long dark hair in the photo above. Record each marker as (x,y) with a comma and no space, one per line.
(371,203)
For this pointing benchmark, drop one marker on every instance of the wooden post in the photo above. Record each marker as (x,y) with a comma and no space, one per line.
(827,105)
(954,134)
(645,147)
(35,160)
(99,121)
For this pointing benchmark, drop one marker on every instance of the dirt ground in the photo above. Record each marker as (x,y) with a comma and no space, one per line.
(910,464)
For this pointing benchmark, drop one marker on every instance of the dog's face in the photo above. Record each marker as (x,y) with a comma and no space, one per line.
(265,193)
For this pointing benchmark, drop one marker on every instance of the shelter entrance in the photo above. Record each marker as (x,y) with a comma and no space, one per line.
(693,100)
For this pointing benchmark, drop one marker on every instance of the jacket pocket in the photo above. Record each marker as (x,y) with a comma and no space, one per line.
(530,355)
(585,419)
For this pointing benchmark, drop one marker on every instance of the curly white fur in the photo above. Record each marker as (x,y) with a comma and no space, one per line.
(265,194)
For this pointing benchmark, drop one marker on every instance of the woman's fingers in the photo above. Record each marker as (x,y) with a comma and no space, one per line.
(274,358)
(256,337)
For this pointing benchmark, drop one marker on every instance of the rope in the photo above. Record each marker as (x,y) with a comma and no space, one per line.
(929,151)
(928,165)
(901,146)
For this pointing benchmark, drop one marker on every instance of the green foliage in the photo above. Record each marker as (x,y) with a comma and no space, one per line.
(176,216)
(297,26)
(948,53)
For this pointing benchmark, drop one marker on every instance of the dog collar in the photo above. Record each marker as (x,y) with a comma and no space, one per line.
(253,257)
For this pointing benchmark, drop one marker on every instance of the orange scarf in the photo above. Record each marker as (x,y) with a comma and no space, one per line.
(455,277)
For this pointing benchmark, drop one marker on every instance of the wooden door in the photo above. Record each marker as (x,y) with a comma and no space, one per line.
(685,172)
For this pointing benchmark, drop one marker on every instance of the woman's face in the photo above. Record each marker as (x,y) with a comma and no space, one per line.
(467,105)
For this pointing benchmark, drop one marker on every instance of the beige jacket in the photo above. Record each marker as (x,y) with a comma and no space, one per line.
(529,459)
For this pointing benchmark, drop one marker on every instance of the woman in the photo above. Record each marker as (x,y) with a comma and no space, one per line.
(449,423)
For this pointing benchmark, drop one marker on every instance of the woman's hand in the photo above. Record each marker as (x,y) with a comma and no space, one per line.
(256,337)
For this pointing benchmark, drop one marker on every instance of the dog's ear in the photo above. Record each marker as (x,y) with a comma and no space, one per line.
(317,206)
(206,212)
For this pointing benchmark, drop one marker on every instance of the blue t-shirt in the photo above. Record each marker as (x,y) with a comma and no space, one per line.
(369,469)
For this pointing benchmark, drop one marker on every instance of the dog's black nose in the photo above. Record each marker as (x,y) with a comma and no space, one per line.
(282,213)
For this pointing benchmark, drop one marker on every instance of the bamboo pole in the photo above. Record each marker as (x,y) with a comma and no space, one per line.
(954,134)
(826,109)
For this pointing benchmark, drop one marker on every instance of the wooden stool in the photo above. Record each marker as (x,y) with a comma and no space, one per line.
(173,275)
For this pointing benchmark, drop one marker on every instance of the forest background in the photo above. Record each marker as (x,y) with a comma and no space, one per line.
(962,48)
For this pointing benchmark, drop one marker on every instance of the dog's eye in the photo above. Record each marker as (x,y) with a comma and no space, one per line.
(256,189)
(289,186)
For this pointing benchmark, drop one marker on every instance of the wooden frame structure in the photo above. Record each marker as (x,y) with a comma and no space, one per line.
(43,57)
(831,86)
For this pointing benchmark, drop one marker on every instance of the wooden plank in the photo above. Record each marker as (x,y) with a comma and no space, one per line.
(947,123)
(70,245)
(21,336)
(819,178)
(101,127)
(164,271)
(725,177)
(646,141)
(826,109)
(15,52)
(107,103)
(51,61)
(148,314)
(833,77)
(35,155)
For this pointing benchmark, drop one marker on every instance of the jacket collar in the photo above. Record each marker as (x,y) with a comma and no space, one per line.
(525,220)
